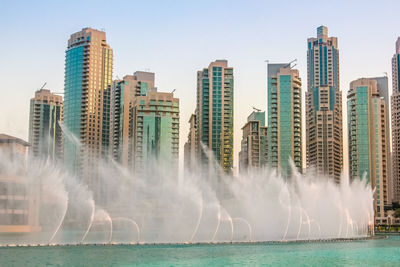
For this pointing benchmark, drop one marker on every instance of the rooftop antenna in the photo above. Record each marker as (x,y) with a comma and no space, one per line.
(173,91)
(290,63)
(43,86)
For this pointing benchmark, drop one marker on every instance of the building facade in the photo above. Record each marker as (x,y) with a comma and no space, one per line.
(214,113)
(123,97)
(395,101)
(45,134)
(284,118)
(88,80)
(19,203)
(368,144)
(190,149)
(156,130)
(254,145)
(324,136)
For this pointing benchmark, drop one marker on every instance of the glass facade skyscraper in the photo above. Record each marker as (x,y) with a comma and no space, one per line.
(45,135)
(324,137)
(214,113)
(284,118)
(88,78)
(368,144)
(156,134)
(123,97)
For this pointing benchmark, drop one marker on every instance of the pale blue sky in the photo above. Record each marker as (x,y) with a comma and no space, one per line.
(174,39)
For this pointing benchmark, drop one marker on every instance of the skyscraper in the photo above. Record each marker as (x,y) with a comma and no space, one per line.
(156,130)
(254,145)
(324,141)
(214,112)
(396,123)
(88,74)
(368,146)
(123,97)
(45,135)
(284,118)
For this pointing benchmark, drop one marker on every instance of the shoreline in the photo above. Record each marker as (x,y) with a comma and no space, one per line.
(327,240)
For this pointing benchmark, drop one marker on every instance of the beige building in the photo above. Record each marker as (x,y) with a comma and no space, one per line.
(254,144)
(124,93)
(45,134)
(368,144)
(190,148)
(395,100)
(88,80)
(324,133)
(18,201)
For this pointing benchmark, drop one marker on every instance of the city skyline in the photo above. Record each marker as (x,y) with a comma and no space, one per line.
(249,68)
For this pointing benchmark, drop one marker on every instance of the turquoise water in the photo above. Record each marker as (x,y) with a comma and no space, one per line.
(380,252)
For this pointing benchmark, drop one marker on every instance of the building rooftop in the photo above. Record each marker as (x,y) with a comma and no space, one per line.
(4,138)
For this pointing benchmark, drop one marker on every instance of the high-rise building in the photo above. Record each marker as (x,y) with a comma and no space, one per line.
(254,146)
(368,144)
(156,130)
(396,123)
(383,90)
(88,79)
(45,135)
(284,118)
(123,97)
(324,136)
(214,113)
(190,148)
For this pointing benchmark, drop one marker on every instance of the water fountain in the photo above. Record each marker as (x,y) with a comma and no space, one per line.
(157,206)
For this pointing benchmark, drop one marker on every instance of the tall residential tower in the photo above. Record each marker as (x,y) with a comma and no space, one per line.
(324,137)
(368,144)
(214,113)
(284,118)
(45,135)
(123,97)
(88,79)
(396,123)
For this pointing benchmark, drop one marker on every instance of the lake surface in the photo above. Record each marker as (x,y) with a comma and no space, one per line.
(378,252)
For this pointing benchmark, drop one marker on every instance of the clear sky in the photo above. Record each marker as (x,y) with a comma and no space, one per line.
(174,39)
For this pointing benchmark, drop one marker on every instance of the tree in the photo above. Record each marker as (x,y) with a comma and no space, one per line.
(396,213)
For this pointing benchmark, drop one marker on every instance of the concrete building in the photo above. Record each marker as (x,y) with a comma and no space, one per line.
(190,148)
(88,80)
(383,90)
(45,134)
(284,118)
(123,97)
(324,133)
(156,130)
(395,101)
(214,113)
(19,210)
(254,146)
(368,144)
